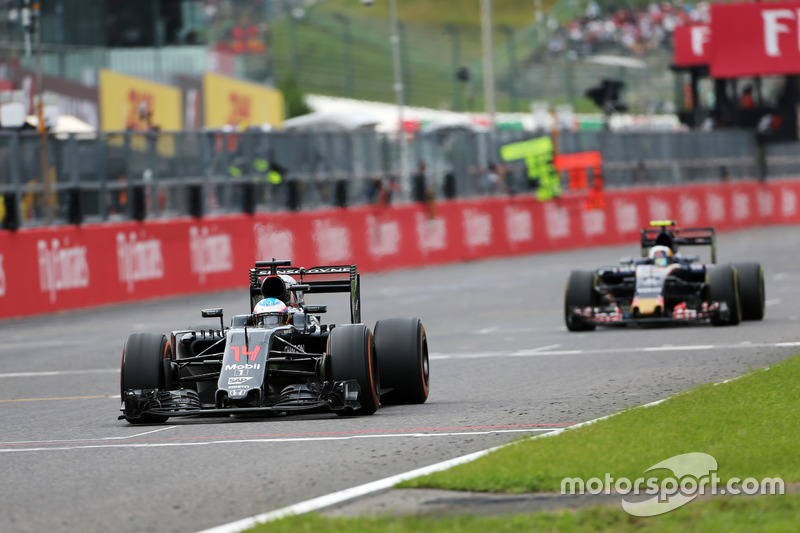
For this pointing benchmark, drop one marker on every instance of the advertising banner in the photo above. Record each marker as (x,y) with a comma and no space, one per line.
(232,102)
(43,270)
(755,39)
(131,103)
(691,45)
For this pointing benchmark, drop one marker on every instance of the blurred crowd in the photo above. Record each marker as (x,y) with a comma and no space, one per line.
(635,31)
(238,27)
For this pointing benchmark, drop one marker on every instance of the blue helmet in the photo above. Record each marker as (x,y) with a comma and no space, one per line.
(271,312)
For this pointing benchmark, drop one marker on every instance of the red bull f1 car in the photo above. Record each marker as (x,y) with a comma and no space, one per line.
(666,287)
(280,358)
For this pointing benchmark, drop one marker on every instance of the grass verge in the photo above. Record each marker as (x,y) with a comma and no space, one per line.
(762,513)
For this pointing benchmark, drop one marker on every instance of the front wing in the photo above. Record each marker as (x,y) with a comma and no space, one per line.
(327,396)
(681,315)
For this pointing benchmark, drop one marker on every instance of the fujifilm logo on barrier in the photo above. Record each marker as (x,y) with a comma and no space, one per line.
(2,278)
(272,241)
(138,260)
(243,367)
(210,254)
(61,268)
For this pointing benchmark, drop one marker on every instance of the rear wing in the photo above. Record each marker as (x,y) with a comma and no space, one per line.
(351,283)
(667,233)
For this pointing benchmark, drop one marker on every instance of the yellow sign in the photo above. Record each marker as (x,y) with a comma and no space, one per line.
(128,103)
(231,102)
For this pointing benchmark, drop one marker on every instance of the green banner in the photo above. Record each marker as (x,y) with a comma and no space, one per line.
(538,156)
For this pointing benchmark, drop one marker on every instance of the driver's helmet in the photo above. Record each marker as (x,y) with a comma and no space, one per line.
(270,312)
(660,255)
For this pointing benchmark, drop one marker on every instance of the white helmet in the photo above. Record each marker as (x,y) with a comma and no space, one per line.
(271,312)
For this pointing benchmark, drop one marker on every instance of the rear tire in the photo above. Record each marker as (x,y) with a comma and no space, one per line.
(401,346)
(351,355)
(723,287)
(143,368)
(751,290)
(579,293)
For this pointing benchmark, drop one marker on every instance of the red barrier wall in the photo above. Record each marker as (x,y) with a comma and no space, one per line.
(53,269)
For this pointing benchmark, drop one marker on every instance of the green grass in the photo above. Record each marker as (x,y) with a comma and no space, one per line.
(313,50)
(319,63)
(765,513)
(515,13)
(749,425)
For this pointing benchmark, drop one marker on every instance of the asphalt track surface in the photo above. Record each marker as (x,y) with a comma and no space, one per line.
(503,366)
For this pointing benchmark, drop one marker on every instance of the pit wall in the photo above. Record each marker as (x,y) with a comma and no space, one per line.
(68,267)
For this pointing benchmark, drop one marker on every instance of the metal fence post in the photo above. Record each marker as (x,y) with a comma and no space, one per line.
(151,174)
(102,173)
(292,33)
(133,208)
(458,93)
(512,64)
(347,53)
(16,174)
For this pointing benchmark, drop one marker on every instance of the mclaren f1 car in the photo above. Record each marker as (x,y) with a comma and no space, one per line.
(279,358)
(666,287)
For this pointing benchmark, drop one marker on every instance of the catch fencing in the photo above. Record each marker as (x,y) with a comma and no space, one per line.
(136,175)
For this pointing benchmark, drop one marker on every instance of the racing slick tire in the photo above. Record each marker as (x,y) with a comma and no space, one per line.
(351,355)
(723,286)
(579,293)
(143,368)
(401,346)
(751,290)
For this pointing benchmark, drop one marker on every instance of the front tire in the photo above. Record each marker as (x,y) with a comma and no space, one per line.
(724,287)
(351,355)
(580,292)
(402,349)
(143,368)
(751,290)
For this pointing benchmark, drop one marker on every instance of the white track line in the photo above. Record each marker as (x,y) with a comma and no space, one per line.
(678,348)
(140,434)
(543,350)
(58,373)
(535,352)
(39,344)
(77,446)
(65,441)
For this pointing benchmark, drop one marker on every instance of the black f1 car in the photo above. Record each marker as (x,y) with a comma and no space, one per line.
(665,287)
(263,364)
